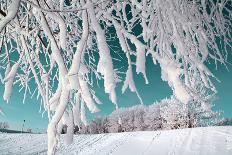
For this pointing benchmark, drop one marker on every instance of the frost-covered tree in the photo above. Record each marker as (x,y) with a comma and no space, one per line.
(60,46)
(131,119)
(153,120)
(118,121)
(201,114)
(98,125)
(174,114)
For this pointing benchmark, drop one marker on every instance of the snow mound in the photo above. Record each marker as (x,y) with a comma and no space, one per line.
(205,141)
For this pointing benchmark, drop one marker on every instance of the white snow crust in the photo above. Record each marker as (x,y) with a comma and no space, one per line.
(204,141)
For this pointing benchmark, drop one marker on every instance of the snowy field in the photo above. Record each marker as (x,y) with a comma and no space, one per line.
(198,141)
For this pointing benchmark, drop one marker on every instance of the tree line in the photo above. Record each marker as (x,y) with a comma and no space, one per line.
(164,115)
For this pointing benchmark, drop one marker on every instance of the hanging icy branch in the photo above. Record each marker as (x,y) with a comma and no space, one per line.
(105,65)
(9,79)
(171,72)
(78,56)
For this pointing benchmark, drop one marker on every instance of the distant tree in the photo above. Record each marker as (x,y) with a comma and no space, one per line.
(177,115)
(96,126)
(173,113)
(29,130)
(114,125)
(139,113)
(105,125)
(84,129)
(4,125)
(225,122)
(153,119)
(76,129)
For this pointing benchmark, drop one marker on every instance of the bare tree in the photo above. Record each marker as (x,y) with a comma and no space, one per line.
(61,45)
(29,130)
(4,125)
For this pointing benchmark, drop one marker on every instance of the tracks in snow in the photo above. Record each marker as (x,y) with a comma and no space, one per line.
(198,141)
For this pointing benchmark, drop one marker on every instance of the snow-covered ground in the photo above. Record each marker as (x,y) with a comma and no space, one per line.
(198,141)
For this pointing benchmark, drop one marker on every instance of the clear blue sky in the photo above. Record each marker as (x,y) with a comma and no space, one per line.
(16,111)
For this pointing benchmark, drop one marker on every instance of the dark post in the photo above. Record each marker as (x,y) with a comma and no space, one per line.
(23,126)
